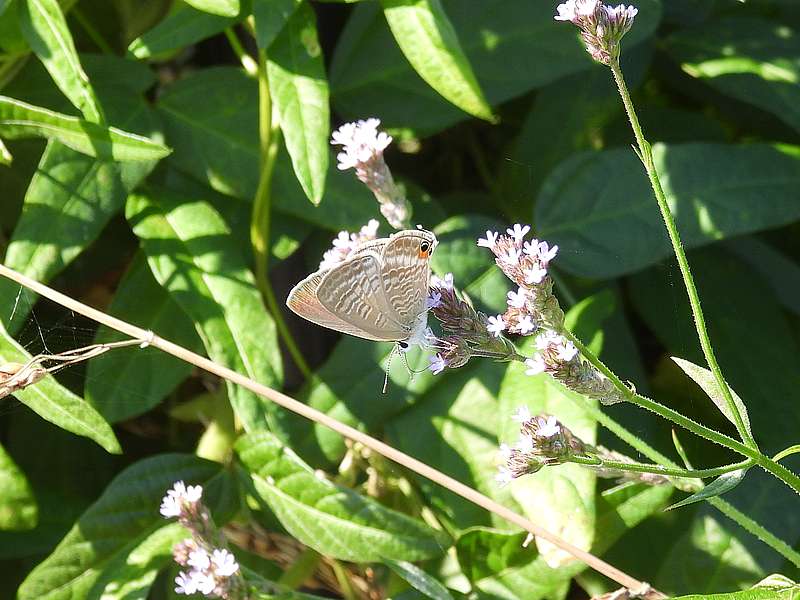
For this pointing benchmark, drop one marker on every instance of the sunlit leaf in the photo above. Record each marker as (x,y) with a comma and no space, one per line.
(18,509)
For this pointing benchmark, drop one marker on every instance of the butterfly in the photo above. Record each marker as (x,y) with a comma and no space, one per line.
(377,293)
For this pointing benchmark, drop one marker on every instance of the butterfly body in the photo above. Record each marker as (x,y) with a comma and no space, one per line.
(377,293)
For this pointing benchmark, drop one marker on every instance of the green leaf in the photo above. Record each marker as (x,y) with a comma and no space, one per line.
(130,381)
(270,18)
(333,520)
(715,191)
(211,119)
(562,498)
(750,59)
(118,545)
(774,587)
(6,158)
(705,379)
(225,8)
(182,27)
(191,254)
(57,404)
(513,46)
(430,43)
(18,509)
(722,484)
(299,92)
(21,120)
(419,579)
(45,29)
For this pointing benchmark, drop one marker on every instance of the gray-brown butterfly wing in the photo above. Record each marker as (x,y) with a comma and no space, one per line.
(303,301)
(406,273)
(353,292)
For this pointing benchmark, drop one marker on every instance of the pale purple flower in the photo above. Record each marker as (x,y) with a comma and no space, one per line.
(225,564)
(345,243)
(199,559)
(206,582)
(531,248)
(535,274)
(361,142)
(566,351)
(505,451)
(535,365)
(437,364)
(547,339)
(511,257)
(518,232)
(522,415)
(445,283)
(517,299)
(525,325)
(545,252)
(525,443)
(496,325)
(489,241)
(550,429)
(181,495)
(434,300)
(186,583)
(566,11)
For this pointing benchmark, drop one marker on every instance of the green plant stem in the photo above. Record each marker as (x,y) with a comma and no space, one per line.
(724,507)
(250,66)
(262,212)
(778,470)
(635,467)
(646,155)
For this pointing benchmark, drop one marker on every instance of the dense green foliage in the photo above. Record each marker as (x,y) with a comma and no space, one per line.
(132,153)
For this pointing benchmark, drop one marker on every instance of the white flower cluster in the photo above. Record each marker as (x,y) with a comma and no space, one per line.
(525,263)
(209,574)
(345,243)
(553,349)
(362,150)
(602,26)
(180,500)
(361,143)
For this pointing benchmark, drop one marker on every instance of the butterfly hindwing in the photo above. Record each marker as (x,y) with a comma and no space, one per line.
(406,273)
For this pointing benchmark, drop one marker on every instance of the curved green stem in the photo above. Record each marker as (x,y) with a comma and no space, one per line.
(262,212)
(778,470)
(635,467)
(646,155)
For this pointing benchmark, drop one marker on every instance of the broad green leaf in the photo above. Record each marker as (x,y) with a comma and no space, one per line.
(72,197)
(705,559)
(730,291)
(774,587)
(21,120)
(419,579)
(562,498)
(513,46)
(333,520)
(45,29)
(183,27)
(57,404)
(426,36)
(18,509)
(752,60)
(225,8)
(191,254)
(270,17)
(722,484)
(705,379)
(6,158)
(498,566)
(211,119)
(4,5)
(607,226)
(299,93)
(118,545)
(130,381)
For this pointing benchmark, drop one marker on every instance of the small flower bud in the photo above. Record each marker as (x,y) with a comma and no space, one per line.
(602,26)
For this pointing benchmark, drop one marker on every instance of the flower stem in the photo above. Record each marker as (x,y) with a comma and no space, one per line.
(635,467)
(646,155)
(778,470)
(262,209)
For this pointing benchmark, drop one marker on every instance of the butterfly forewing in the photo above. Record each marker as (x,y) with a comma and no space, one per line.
(353,291)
